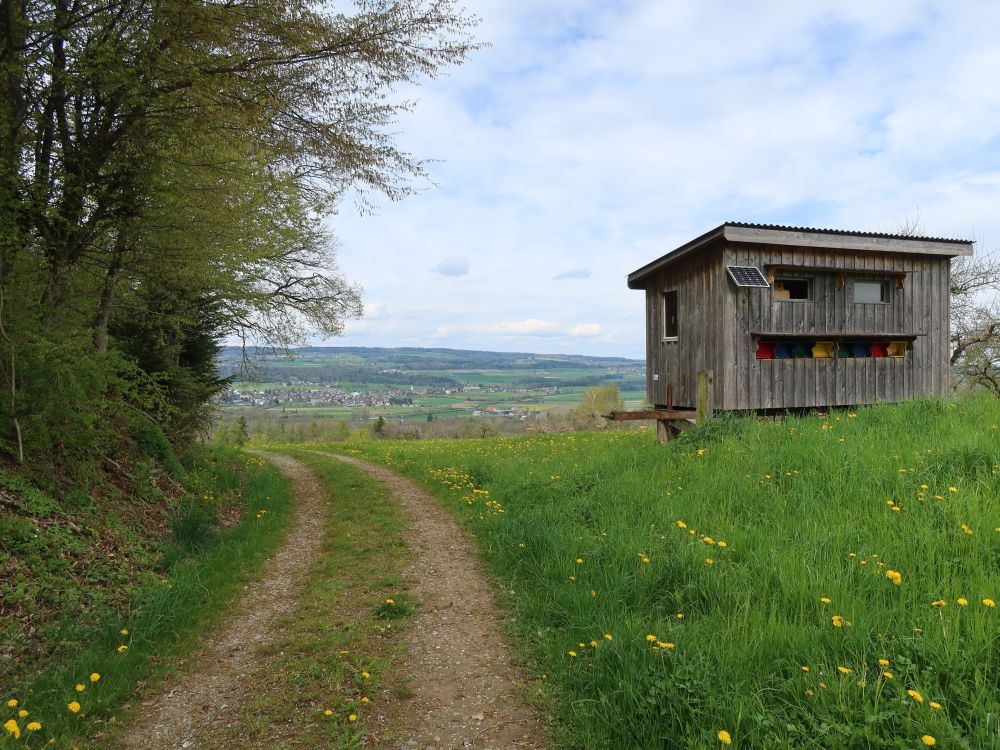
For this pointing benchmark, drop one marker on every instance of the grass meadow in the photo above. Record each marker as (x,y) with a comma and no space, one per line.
(815,582)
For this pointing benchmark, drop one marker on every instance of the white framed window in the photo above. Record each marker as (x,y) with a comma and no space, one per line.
(792,288)
(871,291)
(670,326)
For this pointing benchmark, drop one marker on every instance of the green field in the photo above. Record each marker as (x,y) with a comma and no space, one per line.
(528,382)
(818,582)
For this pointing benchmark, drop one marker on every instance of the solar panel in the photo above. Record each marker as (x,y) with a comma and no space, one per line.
(747,276)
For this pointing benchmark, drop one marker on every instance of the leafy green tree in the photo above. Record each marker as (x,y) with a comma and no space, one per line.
(165,167)
(597,401)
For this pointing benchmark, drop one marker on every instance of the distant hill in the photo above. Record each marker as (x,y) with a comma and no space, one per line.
(418,358)
(412,366)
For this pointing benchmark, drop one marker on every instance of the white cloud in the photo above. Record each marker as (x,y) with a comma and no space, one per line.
(375,311)
(586,329)
(529,327)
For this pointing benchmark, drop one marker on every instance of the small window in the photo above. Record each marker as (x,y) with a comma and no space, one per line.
(871,291)
(785,288)
(670,314)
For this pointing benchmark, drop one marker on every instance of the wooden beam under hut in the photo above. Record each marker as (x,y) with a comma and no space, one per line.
(669,422)
(628,416)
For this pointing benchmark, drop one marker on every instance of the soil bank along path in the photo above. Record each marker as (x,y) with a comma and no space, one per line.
(464,692)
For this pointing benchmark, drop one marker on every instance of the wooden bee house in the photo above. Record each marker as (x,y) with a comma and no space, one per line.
(790,317)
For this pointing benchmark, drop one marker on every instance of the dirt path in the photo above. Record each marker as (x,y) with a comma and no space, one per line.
(216,679)
(466,693)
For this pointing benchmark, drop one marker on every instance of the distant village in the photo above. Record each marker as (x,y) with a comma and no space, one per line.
(295,393)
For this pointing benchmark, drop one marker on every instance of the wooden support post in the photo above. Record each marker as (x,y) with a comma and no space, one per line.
(670,395)
(663,432)
(705,396)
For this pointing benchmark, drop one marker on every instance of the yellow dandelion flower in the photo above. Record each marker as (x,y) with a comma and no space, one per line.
(935,705)
(723,544)
(22,713)
(123,631)
(328,712)
(883,662)
(953,489)
(122,649)
(34,726)
(895,576)
(571,653)
(12,728)
(989,603)
(962,601)
(365,675)
(680,615)
(838,621)
(579,561)
(12,703)
(724,737)
(810,692)
(805,668)
(939,603)
(661,644)
(924,487)
(709,561)
(608,637)
(593,594)
(681,525)
(888,675)
(915,695)
(593,644)
(390,601)
(844,670)
(79,687)
(928,740)
(73,706)
(650,637)
(352,717)
(645,560)
(364,699)
(825,599)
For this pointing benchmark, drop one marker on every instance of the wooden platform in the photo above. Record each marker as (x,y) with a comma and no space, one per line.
(626,416)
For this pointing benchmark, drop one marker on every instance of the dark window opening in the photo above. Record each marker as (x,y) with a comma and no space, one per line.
(792,289)
(670,314)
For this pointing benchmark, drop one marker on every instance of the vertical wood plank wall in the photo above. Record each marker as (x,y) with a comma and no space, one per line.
(921,306)
(699,346)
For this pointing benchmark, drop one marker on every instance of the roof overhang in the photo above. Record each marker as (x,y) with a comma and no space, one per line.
(826,239)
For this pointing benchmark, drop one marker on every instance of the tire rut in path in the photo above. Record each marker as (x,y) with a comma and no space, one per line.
(466,692)
(215,680)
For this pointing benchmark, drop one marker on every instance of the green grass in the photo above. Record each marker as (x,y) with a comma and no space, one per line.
(166,615)
(343,628)
(803,507)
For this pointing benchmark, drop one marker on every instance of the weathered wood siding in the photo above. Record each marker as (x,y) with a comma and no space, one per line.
(921,306)
(700,283)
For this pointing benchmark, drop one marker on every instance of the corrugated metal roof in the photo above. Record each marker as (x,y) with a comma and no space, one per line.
(781,234)
(845,232)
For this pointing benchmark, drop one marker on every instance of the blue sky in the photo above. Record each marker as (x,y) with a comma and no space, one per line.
(593,137)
